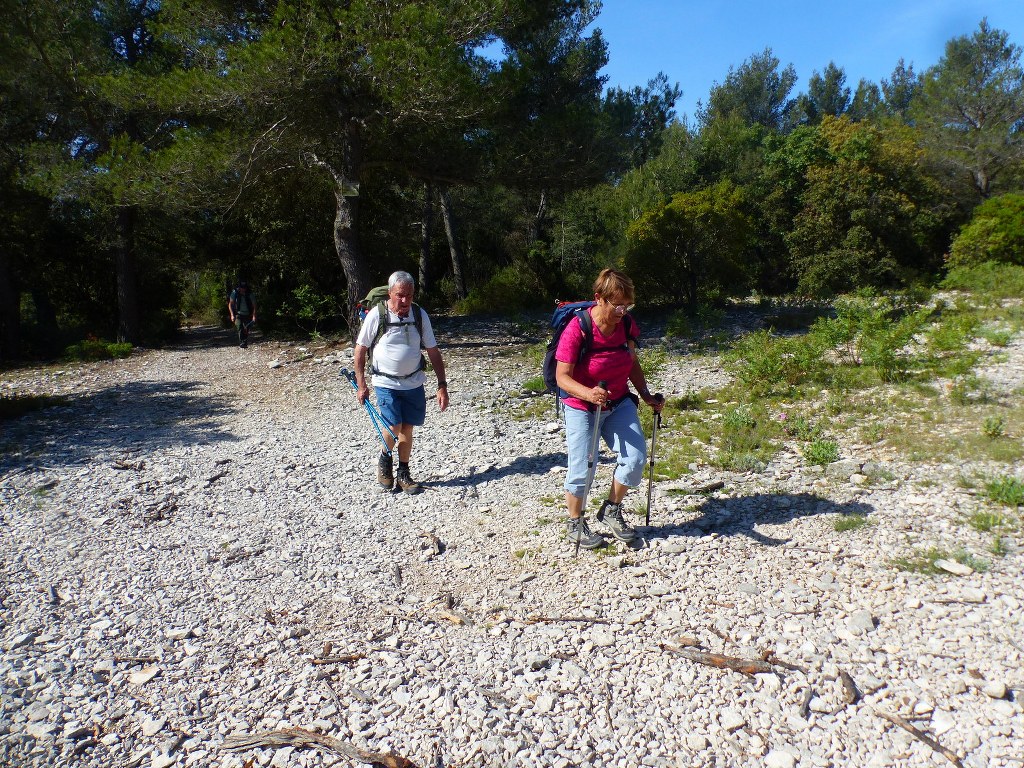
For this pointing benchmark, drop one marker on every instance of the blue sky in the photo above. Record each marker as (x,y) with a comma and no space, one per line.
(695,43)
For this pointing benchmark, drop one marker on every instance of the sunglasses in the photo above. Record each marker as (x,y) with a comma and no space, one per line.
(621,309)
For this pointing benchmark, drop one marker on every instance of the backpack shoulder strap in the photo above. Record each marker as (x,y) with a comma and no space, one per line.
(417,318)
(382,323)
(587,326)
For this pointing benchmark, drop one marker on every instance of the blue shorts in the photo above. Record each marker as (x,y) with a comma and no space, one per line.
(402,406)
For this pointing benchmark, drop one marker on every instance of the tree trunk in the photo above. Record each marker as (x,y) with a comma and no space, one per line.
(129,326)
(426,230)
(10,312)
(346,243)
(451,229)
(537,225)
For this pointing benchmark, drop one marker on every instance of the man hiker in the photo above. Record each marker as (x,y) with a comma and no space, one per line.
(395,336)
(242,308)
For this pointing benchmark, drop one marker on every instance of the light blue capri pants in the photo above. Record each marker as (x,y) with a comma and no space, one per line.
(620,429)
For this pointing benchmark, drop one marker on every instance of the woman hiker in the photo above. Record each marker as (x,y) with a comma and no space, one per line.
(611,359)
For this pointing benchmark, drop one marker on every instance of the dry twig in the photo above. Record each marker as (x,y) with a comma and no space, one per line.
(746,666)
(920,735)
(300,737)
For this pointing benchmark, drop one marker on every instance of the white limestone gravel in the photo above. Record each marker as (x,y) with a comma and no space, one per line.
(197,525)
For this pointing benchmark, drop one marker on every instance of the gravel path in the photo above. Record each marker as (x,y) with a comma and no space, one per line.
(191,539)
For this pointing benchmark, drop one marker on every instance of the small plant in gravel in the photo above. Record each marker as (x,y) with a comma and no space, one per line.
(999,547)
(923,560)
(1006,490)
(997,337)
(985,522)
(535,384)
(994,427)
(652,360)
(821,452)
(746,438)
(852,522)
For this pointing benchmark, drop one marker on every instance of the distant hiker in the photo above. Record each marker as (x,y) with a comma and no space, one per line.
(242,308)
(612,410)
(395,333)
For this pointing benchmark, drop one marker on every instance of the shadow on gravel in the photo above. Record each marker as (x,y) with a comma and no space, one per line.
(741,515)
(522,465)
(206,336)
(129,420)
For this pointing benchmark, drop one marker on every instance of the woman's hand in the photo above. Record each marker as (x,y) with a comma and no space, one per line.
(657,401)
(598,396)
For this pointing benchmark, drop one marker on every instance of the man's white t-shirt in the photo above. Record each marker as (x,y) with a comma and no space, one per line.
(398,351)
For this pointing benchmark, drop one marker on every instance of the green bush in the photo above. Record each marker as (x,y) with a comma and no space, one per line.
(821,452)
(97,349)
(508,292)
(203,298)
(1006,490)
(995,233)
(997,281)
(652,360)
(746,437)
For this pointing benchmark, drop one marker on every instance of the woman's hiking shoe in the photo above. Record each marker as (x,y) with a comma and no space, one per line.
(385,472)
(406,483)
(611,515)
(577,529)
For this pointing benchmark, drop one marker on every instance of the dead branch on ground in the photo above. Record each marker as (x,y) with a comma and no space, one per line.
(300,738)
(920,735)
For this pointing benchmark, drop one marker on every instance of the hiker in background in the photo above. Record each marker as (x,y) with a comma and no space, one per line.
(611,358)
(396,332)
(242,308)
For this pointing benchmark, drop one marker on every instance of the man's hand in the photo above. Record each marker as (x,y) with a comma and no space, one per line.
(362,393)
(442,398)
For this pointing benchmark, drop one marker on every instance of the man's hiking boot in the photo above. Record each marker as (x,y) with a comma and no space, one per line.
(611,515)
(406,483)
(385,472)
(577,529)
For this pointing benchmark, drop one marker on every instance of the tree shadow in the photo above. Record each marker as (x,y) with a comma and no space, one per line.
(123,420)
(740,516)
(207,336)
(522,465)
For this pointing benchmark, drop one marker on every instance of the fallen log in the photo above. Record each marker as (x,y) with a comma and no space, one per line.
(301,738)
(920,735)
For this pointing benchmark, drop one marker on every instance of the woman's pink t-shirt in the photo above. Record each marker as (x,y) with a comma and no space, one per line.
(609,359)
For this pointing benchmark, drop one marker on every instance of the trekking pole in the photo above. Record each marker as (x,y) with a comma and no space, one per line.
(655,426)
(375,416)
(591,464)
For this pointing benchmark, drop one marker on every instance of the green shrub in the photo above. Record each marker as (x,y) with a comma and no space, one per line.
(986,522)
(994,427)
(507,292)
(995,233)
(652,360)
(923,561)
(997,337)
(97,349)
(821,452)
(307,308)
(1006,490)
(203,297)
(746,436)
(997,281)
(850,523)
(535,384)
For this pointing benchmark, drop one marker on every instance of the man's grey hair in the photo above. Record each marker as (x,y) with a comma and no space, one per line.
(400,278)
